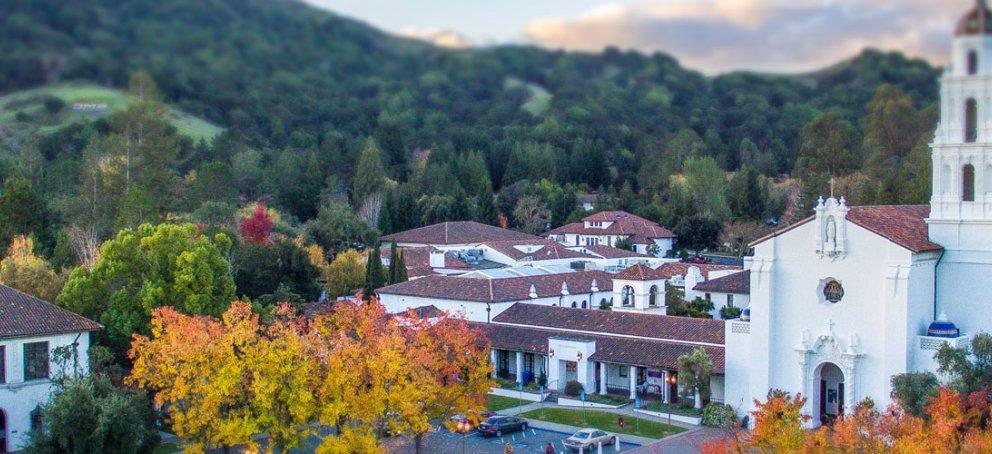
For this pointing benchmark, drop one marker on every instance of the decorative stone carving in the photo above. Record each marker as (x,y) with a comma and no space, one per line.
(828,348)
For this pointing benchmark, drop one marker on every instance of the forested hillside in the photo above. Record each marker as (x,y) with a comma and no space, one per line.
(345,130)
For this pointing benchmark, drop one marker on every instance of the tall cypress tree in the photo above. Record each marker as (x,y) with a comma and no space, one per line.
(400,275)
(394,258)
(375,275)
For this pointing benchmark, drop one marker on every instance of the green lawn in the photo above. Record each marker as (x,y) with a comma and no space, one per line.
(604,421)
(31,103)
(673,409)
(500,403)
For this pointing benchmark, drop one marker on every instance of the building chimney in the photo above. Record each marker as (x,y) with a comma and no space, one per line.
(437,259)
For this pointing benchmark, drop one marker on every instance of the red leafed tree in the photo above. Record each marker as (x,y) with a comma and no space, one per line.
(257,227)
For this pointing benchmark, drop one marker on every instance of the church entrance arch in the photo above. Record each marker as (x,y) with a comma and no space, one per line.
(831,395)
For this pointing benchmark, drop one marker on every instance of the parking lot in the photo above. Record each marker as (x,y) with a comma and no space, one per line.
(530,441)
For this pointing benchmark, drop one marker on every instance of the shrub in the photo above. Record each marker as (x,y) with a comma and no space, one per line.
(718,415)
(730,312)
(573,388)
(542,379)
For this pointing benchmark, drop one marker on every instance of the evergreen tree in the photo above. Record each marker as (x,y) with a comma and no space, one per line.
(485,210)
(400,275)
(370,177)
(745,195)
(387,215)
(394,257)
(375,275)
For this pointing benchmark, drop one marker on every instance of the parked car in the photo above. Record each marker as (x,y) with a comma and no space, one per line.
(587,439)
(499,425)
(465,424)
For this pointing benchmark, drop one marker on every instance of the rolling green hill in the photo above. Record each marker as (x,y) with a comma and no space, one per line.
(52,107)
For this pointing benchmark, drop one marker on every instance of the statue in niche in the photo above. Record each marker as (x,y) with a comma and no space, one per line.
(830,242)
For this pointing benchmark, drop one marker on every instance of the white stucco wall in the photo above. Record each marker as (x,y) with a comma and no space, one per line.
(19,398)
(476,311)
(878,314)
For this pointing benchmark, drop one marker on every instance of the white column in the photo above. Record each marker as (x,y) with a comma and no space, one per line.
(633,381)
(664,386)
(520,367)
(602,378)
(492,359)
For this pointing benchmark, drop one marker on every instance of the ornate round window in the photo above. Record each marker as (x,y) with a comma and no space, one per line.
(833,291)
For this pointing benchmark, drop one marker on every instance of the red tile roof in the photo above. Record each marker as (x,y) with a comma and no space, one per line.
(549,250)
(652,326)
(641,273)
(640,230)
(737,283)
(484,290)
(670,270)
(459,232)
(904,225)
(610,349)
(22,315)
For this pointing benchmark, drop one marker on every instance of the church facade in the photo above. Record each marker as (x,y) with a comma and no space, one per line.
(844,300)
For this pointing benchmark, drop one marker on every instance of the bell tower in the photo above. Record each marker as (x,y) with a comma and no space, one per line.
(962,146)
(961,202)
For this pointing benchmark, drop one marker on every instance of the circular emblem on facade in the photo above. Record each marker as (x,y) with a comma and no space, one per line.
(833,291)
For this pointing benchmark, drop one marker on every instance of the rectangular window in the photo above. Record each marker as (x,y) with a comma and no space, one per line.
(3,364)
(35,361)
(623,372)
(709,297)
(730,300)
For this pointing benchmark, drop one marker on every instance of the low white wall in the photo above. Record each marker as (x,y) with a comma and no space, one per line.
(568,402)
(675,417)
(524,395)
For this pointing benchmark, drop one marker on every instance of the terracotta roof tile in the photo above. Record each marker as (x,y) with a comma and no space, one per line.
(500,290)
(22,315)
(458,232)
(651,326)
(904,225)
(546,250)
(640,230)
(641,272)
(670,270)
(609,348)
(737,283)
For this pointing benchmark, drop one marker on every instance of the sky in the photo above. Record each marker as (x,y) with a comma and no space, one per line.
(713,36)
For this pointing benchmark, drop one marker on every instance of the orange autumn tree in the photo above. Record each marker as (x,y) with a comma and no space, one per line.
(452,369)
(953,423)
(356,369)
(402,373)
(189,362)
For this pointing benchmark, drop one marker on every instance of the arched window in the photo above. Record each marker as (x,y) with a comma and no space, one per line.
(574,305)
(584,305)
(968,183)
(972,63)
(628,296)
(971,121)
(653,296)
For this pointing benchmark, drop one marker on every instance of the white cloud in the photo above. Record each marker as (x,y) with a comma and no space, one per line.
(769,35)
(443,38)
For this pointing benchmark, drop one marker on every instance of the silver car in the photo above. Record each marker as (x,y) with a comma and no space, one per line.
(587,439)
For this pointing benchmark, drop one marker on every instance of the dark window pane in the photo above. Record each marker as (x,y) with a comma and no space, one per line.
(968,183)
(3,364)
(35,361)
(971,121)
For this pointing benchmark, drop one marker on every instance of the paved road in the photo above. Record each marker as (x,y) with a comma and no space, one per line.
(530,441)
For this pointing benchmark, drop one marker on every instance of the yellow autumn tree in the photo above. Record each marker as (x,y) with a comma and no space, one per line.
(345,274)
(27,272)
(189,361)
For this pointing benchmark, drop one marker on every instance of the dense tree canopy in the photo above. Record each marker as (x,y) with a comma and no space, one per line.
(149,267)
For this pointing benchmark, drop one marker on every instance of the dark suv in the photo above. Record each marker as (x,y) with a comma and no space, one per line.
(499,425)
